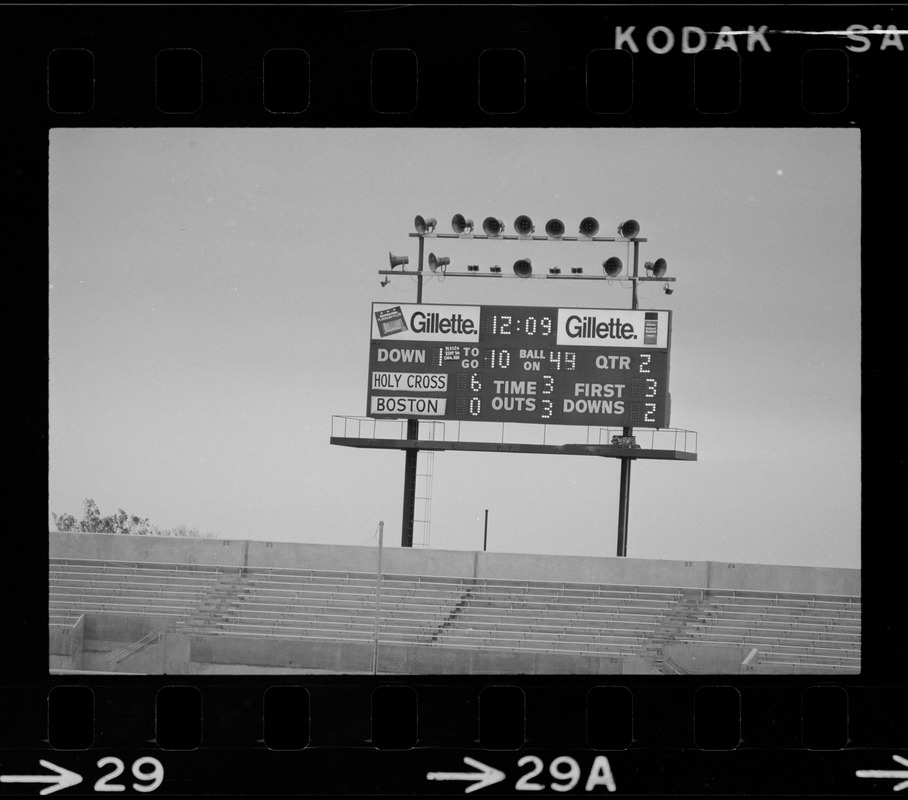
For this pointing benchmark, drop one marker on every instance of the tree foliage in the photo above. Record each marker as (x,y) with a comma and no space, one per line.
(120,522)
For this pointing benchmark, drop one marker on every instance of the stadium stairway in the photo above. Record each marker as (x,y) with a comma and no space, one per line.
(213,608)
(671,629)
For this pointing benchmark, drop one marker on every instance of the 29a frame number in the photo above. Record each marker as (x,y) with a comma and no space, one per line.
(566,773)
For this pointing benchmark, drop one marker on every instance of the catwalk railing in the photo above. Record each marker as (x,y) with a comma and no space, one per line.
(369,431)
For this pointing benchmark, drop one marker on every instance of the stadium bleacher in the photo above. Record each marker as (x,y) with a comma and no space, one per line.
(119,615)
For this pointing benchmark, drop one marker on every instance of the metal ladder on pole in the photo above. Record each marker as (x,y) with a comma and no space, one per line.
(422,512)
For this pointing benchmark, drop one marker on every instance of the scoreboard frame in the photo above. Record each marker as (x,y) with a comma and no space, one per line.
(525,364)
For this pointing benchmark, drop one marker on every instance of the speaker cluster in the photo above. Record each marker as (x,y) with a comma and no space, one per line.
(523,226)
(494,228)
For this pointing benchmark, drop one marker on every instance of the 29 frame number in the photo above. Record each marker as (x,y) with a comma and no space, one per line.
(152,778)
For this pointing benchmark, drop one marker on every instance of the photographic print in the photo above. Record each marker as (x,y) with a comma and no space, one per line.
(455,401)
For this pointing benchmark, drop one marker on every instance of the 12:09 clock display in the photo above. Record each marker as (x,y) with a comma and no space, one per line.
(527,364)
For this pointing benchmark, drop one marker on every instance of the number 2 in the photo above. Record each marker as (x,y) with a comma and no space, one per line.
(104,784)
(524,782)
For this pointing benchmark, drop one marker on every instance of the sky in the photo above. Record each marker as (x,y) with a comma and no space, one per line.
(210,294)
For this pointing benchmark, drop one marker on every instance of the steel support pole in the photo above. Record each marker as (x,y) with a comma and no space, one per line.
(411,455)
(381,537)
(624,501)
(624,488)
(409,509)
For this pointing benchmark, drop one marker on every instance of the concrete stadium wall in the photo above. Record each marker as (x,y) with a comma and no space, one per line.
(240,553)
(127,628)
(764,577)
(580,569)
(164,549)
(417,561)
(65,645)
(339,657)
(356,657)
(405,561)
(440,660)
(707,659)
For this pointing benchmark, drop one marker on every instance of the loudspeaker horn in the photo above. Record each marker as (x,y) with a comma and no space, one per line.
(589,226)
(612,266)
(397,261)
(493,226)
(554,229)
(658,267)
(438,262)
(524,225)
(423,225)
(460,224)
(629,229)
(523,268)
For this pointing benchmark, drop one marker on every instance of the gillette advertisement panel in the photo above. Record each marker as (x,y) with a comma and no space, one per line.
(622,328)
(549,365)
(425,323)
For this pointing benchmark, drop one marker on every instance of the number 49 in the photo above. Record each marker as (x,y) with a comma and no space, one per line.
(152,777)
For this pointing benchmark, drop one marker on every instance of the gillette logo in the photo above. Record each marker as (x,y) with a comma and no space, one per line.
(592,328)
(433,322)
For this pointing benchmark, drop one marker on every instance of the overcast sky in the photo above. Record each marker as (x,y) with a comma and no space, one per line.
(210,297)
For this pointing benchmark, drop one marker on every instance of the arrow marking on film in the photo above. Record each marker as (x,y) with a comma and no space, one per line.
(62,780)
(485,777)
(887,773)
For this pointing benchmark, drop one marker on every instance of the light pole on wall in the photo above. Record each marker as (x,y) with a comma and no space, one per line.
(378,575)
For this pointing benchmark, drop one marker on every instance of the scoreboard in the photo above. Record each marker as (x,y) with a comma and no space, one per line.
(567,366)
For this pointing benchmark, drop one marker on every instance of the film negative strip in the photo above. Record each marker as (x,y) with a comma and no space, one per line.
(371,716)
